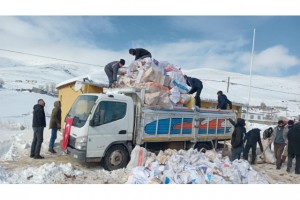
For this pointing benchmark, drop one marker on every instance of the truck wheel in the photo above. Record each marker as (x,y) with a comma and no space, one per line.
(200,146)
(115,158)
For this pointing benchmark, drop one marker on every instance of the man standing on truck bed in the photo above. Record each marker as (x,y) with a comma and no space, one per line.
(196,86)
(140,53)
(223,101)
(111,70)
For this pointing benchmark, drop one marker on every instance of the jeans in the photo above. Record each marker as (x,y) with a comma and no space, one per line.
(53,137)
(236,153)
(37,141)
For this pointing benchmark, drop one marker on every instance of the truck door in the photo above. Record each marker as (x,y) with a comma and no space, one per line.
(109,124)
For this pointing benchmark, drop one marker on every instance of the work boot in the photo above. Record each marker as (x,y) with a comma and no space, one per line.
(51,150)
(288,170)
(39,157)
(278,167)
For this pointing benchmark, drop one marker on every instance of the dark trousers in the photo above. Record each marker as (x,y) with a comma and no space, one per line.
(197,96)
(291,156)
(109,76)
(246,152)
(297,168)
(37,141)
(278,150)
(236,153)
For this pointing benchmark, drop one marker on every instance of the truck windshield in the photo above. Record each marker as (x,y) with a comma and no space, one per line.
(81,109)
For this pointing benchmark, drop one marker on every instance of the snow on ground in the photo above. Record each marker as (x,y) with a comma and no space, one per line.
(17,167)
(16,118)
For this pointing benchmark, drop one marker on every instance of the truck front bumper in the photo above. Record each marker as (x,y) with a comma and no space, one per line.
(79,156)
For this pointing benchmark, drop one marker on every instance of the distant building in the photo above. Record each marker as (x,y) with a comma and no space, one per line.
(259,116)
(38,90)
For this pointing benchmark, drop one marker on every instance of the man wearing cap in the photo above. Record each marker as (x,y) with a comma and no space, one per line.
(111,70)
(279,140)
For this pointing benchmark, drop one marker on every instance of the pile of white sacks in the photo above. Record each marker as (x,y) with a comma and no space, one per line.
(163,82)
(189,167)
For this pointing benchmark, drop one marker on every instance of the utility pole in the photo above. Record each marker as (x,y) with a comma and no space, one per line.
(250,82)
(228,84)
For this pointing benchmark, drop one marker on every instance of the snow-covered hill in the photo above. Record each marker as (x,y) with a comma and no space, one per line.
(273,91)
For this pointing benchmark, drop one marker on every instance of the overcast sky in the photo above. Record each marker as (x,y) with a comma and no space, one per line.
(219,42)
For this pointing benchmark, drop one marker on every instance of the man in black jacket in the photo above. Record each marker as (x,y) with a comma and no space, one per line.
(140,53)
(294,147)
(223,101)
(196,86)
(38,125)
(111,70)
(252,137)
(237,138)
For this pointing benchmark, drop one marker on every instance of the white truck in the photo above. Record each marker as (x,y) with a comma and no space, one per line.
(106,126)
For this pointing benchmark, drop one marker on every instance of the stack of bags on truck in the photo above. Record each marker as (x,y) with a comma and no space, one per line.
(186,167)
(163,82)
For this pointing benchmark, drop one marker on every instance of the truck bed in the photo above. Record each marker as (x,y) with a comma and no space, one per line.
(183,124)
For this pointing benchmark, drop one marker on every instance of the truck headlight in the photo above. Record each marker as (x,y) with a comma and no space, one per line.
(80,143)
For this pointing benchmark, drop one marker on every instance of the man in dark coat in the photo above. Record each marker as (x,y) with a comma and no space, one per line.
(252,137)
(223,101)
(237,138)
(196,86)
(140,53)
(111,70)
(294,147)
(285,154)
(55,124)
(38,125)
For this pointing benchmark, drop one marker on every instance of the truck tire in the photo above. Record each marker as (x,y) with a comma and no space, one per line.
(202,145)
(116,157)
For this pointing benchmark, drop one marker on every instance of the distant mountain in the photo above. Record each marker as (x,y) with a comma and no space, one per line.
(7,62)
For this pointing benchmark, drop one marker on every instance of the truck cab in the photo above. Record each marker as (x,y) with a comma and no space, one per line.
(101,129)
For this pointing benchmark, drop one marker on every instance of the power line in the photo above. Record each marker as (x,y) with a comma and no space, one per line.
(36,55)
(232,83)
(41,56)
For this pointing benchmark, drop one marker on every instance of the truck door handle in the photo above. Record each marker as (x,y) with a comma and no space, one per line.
(122,132)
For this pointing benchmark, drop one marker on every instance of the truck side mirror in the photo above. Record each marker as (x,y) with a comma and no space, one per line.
(92,123)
